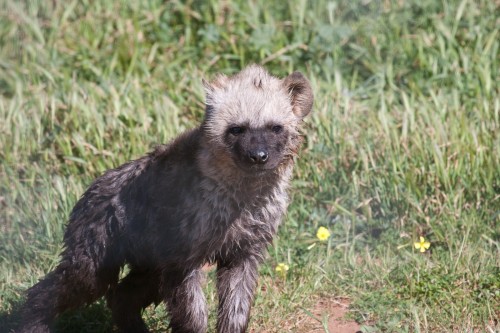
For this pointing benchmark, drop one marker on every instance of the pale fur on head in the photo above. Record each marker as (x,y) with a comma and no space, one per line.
(253,97)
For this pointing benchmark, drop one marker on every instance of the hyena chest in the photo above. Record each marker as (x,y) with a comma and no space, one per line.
(213,227)
(241,232)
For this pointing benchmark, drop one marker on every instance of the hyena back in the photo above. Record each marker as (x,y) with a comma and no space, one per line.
(215,194)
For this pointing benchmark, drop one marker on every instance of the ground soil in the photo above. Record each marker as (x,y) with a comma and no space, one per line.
(329,310)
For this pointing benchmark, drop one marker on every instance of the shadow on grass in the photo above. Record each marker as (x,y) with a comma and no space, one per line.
(10,320)
(95,318)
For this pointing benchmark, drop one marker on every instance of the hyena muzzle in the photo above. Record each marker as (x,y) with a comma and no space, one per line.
(215,194)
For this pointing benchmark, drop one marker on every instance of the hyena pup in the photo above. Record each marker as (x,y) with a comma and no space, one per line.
(215,194)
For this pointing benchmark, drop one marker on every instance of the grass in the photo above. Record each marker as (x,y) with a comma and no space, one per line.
(404,142)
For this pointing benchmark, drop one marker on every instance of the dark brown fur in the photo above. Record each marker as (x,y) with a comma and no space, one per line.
(216,194)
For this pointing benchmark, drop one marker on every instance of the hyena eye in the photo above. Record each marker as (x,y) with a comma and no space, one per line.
(236,130)
(277,129)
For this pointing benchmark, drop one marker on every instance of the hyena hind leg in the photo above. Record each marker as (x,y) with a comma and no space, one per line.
(134,293)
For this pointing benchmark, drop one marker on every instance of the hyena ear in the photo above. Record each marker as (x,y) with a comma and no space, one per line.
(219,82)
(300,92)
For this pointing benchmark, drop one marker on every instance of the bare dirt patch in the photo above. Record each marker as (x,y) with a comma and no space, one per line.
(332,312)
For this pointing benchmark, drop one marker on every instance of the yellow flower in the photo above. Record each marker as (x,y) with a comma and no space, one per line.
(422,245)
(282,268)
(323,234)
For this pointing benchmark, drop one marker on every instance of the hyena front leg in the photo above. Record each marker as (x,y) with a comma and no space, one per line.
(236,281)
(186,302)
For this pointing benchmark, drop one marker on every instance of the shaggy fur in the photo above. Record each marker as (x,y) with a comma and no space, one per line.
(216,194)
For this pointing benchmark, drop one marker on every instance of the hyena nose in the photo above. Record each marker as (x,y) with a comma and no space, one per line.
(258,156)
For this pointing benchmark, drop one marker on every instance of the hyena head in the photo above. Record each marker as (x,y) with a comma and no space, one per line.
(253,118)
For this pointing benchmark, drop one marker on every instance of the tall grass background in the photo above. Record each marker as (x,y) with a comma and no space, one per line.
(403,142)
